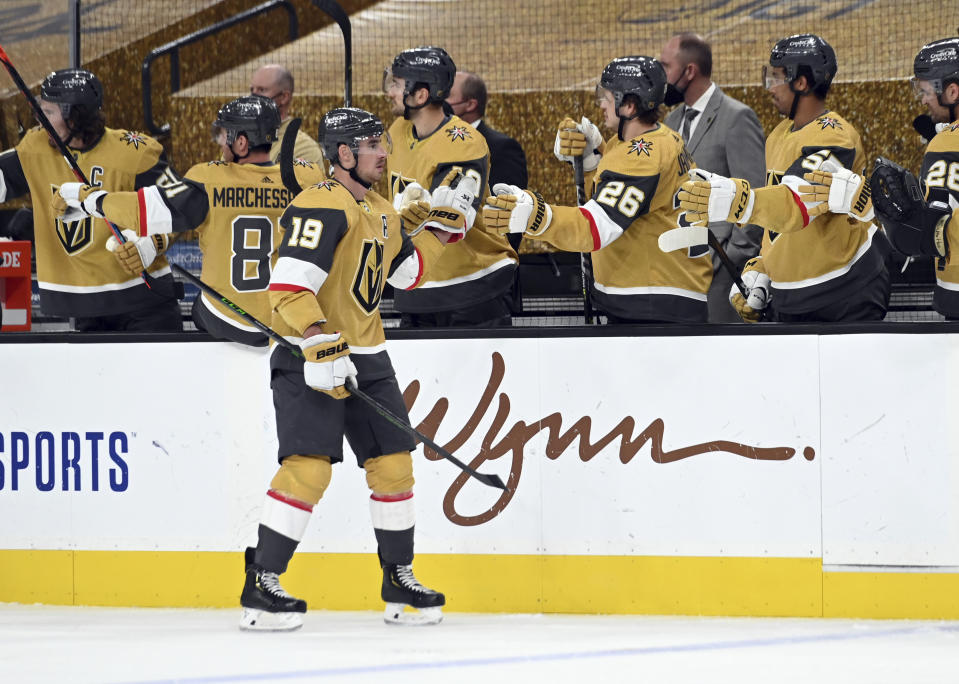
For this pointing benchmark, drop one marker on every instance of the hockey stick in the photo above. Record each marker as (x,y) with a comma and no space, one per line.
(287,172)
(585,260)
(696,236)
(489,480)
(335,12)
(61,146)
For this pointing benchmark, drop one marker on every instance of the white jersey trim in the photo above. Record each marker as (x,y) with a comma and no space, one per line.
(157,214)
(109,287)
(809,282)
(3,188)
(674,291)
(290,271)
(946,285)
(609,230)
(476,275)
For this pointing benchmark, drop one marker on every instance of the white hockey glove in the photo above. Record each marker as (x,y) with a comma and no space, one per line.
(138,253)
(452,207)
(511,209)
(750,308)
(75,201)
(581,139)
(837,190)
(708,197)
(414,192)
(327,364)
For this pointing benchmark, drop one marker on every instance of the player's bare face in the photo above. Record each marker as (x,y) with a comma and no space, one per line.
(225,149)
(774,80)
(371,159)
(52,111)
(927,95)
(394,93)
(604,100)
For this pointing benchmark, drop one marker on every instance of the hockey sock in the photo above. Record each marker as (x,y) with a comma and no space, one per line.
(393,520)
(281,528)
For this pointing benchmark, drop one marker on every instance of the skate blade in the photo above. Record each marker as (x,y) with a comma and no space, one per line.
(395,615)
(262,621)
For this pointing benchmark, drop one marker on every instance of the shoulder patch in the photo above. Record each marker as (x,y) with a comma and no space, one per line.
(217,162)
(829,122)
(302,162)
(640,147)
(134,138)
(326,185)
(458,133)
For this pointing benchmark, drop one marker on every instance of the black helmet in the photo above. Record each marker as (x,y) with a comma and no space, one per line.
(805,50)
(938,63)
(73,88)
(641,76)
(346,126)
(255,116)
(427,64)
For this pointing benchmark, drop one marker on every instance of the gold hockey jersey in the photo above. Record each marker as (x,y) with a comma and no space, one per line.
(76,274)
(240,236)
(940,175)
(480,266)
(813,262)
(632,204)
(236,209)
(336,256)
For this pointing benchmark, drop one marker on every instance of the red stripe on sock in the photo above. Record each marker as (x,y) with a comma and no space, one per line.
(392,498)
(290,502)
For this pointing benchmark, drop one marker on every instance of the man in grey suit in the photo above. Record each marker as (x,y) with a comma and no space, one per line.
(723,136)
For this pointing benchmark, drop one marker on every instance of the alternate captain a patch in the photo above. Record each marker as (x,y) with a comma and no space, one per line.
(458,133)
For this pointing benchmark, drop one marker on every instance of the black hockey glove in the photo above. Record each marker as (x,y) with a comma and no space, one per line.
(914,227)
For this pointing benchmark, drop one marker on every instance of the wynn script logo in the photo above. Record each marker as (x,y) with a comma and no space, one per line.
(498,443)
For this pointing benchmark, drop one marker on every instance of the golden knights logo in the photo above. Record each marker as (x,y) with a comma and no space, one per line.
(216,162)
(325,185)
(75,236)
(368,283)
(302,162)
(640,146)
(133,138)
(829,122)
(458,133)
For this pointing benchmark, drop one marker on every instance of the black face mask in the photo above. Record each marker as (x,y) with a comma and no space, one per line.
(673,95)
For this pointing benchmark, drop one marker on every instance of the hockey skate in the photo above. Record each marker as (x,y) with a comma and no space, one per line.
(401,589)
(266,605)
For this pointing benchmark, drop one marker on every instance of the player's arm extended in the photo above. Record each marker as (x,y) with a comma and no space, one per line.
(305,259)
(782,207)
(617,202)
(154,210)
(415,258)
